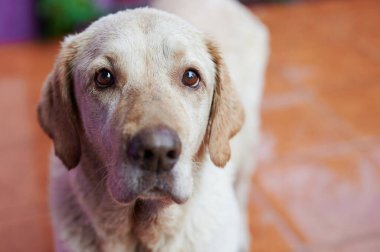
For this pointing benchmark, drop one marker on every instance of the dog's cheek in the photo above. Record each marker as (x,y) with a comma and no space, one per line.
(121,185)
(183,181)
(199,120)
(96,133)
(97,121)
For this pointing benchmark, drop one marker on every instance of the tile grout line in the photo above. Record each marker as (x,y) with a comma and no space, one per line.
(324,150)
(289,236)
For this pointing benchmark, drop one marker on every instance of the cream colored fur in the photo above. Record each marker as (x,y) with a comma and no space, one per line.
(149,50)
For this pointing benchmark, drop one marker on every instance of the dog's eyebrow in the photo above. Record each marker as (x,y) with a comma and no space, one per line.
(168,51)
(111,59)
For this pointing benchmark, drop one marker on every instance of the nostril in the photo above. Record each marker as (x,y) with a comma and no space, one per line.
(171,154)
(148,155)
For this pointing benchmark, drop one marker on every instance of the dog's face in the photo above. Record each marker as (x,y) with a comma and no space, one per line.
(145,93)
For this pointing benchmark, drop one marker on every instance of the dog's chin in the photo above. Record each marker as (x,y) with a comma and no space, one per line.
(124,196)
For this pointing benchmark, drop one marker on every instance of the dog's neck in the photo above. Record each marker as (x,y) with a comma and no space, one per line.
(141,223)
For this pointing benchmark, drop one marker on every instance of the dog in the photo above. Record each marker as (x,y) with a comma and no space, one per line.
(155,124)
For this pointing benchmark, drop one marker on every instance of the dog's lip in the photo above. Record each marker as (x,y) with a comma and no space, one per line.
(154,193)
(158,191)
(159,194)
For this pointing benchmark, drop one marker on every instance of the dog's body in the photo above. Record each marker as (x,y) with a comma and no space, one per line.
(109,202)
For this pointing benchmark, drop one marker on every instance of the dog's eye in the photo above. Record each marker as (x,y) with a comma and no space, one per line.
(191,78)
(104,78)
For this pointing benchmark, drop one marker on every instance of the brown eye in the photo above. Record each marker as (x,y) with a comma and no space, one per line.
(191,78)
(104,78)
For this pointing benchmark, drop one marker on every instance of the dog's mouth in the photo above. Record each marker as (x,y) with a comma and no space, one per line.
(156,194)
(152,188)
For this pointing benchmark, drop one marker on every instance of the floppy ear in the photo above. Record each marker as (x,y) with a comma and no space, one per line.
(226,115)
(57,111)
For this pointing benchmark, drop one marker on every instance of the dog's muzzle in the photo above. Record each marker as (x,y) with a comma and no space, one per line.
(154,149)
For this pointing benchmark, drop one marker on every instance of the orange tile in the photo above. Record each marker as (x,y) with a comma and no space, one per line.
(266,232)
(24,68)
(275,84)
(296,127)
(346,67)
(324,38)
(325,191)
(23,179)
(29,233)
(358,106)
(284,78)
(327,198)
(24,219)
(22,58)
(14,108)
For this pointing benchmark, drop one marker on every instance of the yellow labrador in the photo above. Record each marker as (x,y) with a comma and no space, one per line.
(143,111)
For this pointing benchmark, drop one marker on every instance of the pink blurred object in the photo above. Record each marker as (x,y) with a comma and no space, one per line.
(17,20)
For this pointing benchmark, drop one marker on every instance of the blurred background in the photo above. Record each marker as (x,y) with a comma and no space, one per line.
(317,185)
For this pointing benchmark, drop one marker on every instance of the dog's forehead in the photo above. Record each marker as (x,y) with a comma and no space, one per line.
(142,39)
(146,27)
(142,43)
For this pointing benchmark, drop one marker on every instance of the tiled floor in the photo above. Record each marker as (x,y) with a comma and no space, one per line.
(317,187)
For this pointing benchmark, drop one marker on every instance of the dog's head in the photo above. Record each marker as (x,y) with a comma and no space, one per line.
(145,93)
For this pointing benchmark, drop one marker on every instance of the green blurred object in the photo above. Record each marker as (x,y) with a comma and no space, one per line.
(59,17)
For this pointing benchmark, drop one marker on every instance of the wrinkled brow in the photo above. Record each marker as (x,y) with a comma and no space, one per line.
(172,49)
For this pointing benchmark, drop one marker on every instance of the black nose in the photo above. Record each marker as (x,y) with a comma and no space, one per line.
(154,149)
